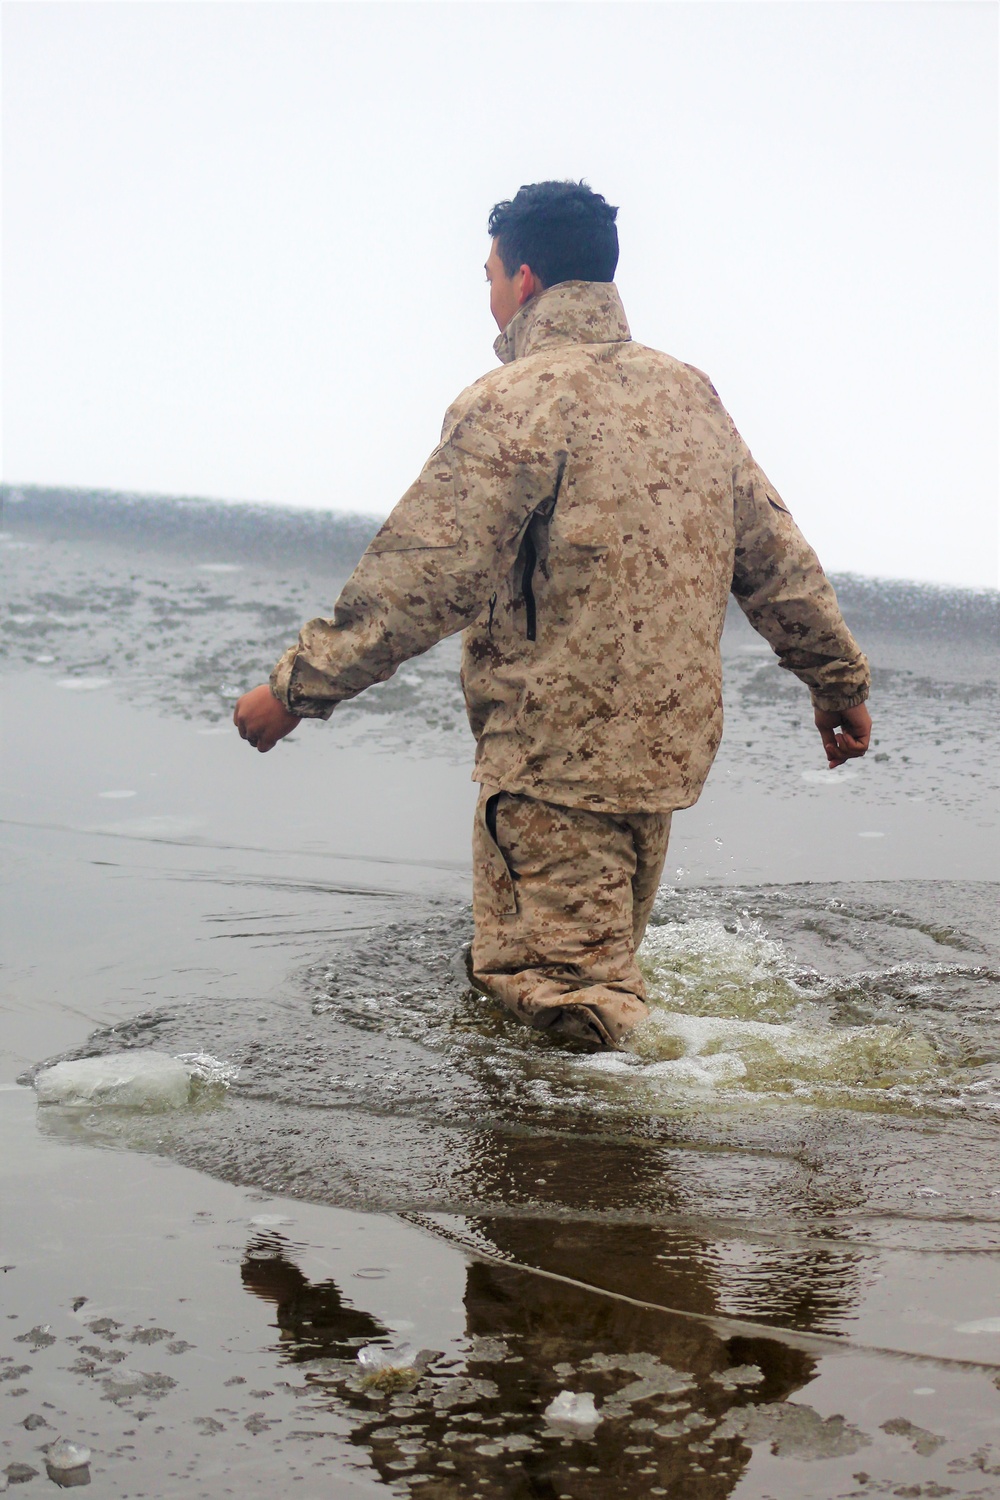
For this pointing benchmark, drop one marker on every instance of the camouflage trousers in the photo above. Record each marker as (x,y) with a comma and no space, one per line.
(561,897)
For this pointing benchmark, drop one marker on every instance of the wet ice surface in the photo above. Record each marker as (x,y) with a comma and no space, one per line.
(680,1270)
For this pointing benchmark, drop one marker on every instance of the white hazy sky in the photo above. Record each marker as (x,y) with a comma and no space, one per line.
(244,242)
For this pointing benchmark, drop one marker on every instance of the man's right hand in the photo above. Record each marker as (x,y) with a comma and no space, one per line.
(261,720)
(855,725)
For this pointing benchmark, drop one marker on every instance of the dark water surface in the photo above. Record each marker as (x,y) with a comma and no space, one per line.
(764,1239)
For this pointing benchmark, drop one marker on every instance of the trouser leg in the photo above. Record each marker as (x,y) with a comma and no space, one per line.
(559,897)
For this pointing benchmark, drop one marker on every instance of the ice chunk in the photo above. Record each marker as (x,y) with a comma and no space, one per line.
(389,1369)
(574,1409)
(386,1357)
(61,1457)
(143,1079)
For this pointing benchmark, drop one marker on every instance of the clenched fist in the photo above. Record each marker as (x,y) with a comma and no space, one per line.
(261,720)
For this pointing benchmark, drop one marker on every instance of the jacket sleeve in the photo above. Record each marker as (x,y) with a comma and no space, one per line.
(428,573)
(788,599)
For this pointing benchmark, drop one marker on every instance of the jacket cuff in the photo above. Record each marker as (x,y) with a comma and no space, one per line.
(283,688)
(829,703)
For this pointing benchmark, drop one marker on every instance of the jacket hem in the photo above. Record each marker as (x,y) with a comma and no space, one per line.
(588,799)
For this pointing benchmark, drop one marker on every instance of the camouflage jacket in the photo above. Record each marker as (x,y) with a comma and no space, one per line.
(584,518)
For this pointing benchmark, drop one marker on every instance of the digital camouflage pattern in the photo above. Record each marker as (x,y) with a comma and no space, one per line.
(584,518)
(561,897)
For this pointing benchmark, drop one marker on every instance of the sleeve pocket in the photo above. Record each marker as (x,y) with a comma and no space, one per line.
(427,515)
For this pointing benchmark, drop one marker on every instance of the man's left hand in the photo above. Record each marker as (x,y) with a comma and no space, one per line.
(262,720)
(855,725)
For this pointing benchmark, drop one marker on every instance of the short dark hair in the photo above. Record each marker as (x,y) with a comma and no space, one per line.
(563,230)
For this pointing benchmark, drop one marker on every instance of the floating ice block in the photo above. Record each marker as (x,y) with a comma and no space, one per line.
(143,1079)
(572,1409)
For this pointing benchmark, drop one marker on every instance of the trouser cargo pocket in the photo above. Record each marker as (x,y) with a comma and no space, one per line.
(494,885)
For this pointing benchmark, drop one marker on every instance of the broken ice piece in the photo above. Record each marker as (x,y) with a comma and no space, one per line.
(389,1368)
(573,1409)
(386,1356)
(738,1375)
(143,1079)
(67,1463)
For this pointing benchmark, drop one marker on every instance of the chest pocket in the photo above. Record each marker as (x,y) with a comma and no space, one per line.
(585,519)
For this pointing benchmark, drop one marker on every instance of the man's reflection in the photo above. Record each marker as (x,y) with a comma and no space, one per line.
(477,1427)
(313,1320)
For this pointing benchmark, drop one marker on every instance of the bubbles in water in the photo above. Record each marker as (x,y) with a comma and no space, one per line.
(728,1009)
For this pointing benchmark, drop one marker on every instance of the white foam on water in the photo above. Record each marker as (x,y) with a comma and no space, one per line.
(729,1011)
(208,1070)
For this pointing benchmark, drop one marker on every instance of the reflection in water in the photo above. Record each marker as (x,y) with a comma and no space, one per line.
(475,1421)
(313,1320)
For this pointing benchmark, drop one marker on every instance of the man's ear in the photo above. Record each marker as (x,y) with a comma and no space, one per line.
(528,285)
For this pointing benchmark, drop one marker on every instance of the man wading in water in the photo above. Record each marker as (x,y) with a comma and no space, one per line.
(584,518)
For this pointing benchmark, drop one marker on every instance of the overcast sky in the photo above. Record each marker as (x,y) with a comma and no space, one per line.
(244,242)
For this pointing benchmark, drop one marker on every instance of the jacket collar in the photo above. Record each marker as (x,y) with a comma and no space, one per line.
(571,312)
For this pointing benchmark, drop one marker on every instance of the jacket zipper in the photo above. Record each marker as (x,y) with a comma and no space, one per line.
(530,558)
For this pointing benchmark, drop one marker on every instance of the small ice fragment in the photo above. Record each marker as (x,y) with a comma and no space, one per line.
(572,1409)
(979,1325)
(871,834)
(116,796)
(220,567)
(83,684)
(386,1357)
(143,1079)
(270,1221)
(389,1370)
(62,1455)
(43,661)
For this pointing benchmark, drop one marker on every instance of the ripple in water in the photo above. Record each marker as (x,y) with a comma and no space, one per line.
(774,1076)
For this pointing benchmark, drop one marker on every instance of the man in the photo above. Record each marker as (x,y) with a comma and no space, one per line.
(584,518)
